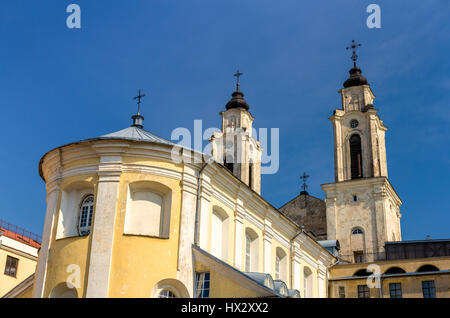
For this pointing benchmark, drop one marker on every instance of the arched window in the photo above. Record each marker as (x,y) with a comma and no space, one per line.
(362,273)
(428,268)
(251,251)
(166,294)
(148,210)
(86,213)
(280,264)
(354,123)
(219,234)
(395,270)
(357,231)
(307,283)
(356,156)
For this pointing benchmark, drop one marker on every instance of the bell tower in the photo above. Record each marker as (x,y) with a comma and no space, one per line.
(235,147)
(362,206)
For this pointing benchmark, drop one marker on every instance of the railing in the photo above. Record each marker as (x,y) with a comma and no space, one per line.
(20,233)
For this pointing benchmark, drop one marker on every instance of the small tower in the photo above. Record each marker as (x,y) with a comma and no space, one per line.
(235,147)
(362,206)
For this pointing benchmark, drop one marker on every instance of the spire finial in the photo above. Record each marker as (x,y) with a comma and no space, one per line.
(237,75)
(354,46)
(138,119)
(304,177)
(138,98)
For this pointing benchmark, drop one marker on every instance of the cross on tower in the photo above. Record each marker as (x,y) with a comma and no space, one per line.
(237,75)
(138,98)
(354,46)
(304,177)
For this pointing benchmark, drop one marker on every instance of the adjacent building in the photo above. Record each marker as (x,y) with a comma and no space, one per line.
(18,255)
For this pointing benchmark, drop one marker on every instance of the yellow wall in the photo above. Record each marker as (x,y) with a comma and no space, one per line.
(26,267)
(68,251)
(160,256)
(411,286)
(411,282)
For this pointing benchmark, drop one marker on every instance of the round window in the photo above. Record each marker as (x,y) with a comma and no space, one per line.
(354,123)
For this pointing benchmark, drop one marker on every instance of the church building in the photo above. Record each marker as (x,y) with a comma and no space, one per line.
(124,219)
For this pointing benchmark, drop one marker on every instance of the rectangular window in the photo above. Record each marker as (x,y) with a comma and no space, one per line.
(202,281)
(11,266)
(341,292)
(428,289)
(395,290)
(363,291)
(359,257)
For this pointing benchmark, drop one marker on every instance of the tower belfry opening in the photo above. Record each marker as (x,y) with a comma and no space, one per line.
(355,156)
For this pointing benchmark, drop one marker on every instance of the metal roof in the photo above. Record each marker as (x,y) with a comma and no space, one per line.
(417,241)
(329,243)
(136,133)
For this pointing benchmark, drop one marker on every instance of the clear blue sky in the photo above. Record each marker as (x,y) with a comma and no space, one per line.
(59,85)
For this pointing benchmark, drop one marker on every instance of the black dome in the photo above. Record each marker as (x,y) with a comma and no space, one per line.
(237,101)
(355,79)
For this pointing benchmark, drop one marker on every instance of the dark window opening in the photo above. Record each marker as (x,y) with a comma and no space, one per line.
(362,273)
(395,270)
(202,283)
(11,266)
(356,156)
(250,175)
(395,290)
(363,291)
(228,163)
(359,257)
(428,289)
(428,268)
(341,292)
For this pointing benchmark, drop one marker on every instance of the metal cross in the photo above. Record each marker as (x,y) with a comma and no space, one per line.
(237,75)
(138,98)
(304,177)
(354,46)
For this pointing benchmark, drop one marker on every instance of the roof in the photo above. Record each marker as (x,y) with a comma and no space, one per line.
(19,234)
(136,133)
(329,243)
(418,241)
(231,272)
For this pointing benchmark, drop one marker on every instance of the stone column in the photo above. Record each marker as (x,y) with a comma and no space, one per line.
(103,227)
(205,213)
(268,235)
(41,269)
(297,267)
(239,236)
(185,269)
(321,279)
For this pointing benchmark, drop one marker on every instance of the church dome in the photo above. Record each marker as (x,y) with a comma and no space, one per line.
(355,79)
(237,101)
